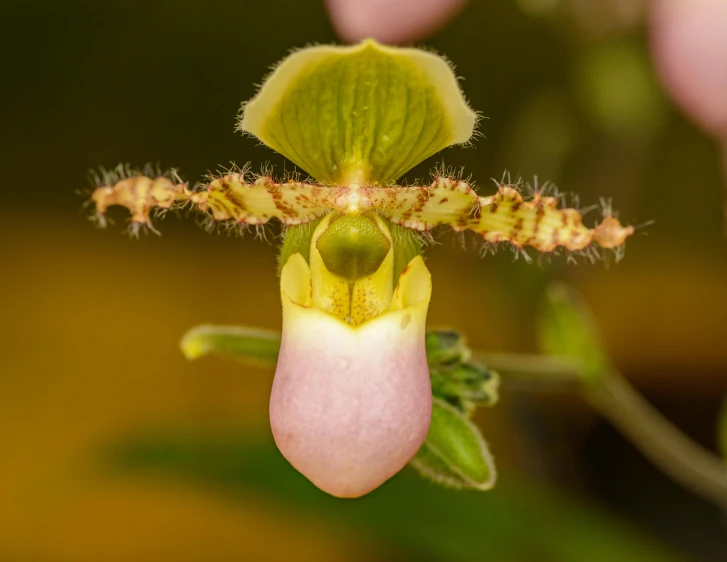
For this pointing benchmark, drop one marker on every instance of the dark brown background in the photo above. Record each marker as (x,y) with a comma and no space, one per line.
(91,319)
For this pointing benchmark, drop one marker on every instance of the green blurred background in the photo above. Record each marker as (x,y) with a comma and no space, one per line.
(115,448)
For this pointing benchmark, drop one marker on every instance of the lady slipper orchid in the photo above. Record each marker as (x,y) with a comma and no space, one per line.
(351,402)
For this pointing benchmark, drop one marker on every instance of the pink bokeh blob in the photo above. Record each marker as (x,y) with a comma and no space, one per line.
(689,42)
(391,21)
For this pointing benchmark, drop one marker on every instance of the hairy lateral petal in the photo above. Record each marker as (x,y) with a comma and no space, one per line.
(231,198)
(506,217)
(227,198)
(446,201)
(503,217)
(140,195)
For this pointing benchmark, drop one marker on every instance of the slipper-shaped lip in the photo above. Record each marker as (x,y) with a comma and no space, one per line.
(351,405)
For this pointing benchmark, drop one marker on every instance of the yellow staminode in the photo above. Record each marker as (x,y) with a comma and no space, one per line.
(354,301)
(360,114)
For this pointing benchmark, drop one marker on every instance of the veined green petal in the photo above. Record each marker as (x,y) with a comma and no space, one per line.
(360,114)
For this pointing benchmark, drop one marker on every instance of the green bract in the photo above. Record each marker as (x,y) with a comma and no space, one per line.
(454,453)
(360,114)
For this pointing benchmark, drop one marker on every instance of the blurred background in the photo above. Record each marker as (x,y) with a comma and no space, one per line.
(115,448)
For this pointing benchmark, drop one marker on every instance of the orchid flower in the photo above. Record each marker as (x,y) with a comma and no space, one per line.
(352,399)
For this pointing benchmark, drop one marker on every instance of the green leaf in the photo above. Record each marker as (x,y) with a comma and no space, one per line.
(567,329)
(454,453)
(252,346)
(360,114)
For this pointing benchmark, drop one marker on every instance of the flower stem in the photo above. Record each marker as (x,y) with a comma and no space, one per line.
(615,399)
(523,371)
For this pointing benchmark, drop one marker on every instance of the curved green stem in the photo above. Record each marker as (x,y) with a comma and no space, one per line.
(532,371)
(658,439)
(615,399)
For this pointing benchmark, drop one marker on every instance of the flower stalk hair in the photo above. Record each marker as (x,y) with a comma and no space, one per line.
(360,388)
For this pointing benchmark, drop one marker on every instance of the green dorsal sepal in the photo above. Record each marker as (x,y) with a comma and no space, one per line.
(361,114)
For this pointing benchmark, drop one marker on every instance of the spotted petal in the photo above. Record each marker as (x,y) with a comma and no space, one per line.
(502,217)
